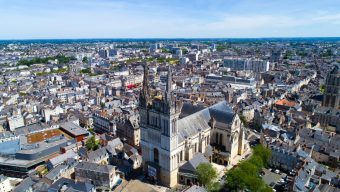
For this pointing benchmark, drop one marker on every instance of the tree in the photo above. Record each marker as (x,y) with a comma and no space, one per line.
(184,51)
(206,174)
(263,152)
(92,143)
(86,71)
(85,60)
(322,89)
(102,105)
(246,174)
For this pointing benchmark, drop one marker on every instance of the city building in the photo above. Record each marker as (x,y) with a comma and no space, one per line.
(331,96)
(15,121)
(96,174)
(249,64)
(234,82)
(172,135)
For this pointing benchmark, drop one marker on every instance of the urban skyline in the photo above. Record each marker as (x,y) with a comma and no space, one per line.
(169,96)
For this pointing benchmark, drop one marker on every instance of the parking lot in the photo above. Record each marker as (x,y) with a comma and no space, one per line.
(271,178)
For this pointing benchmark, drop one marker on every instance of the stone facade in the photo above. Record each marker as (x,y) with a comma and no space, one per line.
(96,174)
(173,132)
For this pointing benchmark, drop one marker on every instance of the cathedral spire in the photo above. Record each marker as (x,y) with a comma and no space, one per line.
(144,94)
(168,90)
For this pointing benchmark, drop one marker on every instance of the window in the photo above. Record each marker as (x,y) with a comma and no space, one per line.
(221,138)
(173,126)
(155,155)
(165,127)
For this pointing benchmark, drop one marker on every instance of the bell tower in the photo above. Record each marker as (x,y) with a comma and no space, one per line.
(159,131)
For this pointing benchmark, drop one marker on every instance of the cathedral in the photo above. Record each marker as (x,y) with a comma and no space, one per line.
(177,136)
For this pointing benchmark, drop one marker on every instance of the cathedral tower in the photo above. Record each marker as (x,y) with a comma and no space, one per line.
(159,131)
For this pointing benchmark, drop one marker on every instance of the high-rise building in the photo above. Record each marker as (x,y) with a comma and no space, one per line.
(331,96)
(240,64)
(103,53)
(113,53)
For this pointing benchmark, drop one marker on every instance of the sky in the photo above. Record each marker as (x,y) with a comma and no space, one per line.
(60,19)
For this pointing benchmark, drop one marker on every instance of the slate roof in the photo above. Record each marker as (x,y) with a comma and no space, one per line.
(25,185)
(63,157)
(95,167)
(199,118)
(189,109)
(191,165)
(96,155)
(71,186)
(54,173)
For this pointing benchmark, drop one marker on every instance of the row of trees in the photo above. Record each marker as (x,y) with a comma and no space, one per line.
(246,174)
(61,70)
(62,59)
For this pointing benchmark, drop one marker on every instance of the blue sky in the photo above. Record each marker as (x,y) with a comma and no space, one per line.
(40,19)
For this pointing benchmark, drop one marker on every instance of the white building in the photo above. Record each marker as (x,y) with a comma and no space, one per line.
(15,121)
(48,112)
(5,184)
(239,64)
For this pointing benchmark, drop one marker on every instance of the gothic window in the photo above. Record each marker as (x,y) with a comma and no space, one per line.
(155,155)
(221,136)
(173,126)
(166,127)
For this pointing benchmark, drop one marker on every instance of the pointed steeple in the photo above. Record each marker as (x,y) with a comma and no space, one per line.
(168,90)
(144,94)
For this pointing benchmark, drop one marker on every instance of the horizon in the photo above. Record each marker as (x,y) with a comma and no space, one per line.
(133,19)
(174,38)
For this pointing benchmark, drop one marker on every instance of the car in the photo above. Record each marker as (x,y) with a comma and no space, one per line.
(277,171)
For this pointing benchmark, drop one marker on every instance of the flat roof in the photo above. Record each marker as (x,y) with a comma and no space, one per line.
(285,102)
(43,135)
(73,129)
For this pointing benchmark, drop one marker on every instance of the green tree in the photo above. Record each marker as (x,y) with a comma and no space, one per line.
(85,60)
(322,89)
(221,48)
(86,71)
(184,51)
(246,174)
(236,179)
(92,143)
(262,152)
(206,174)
